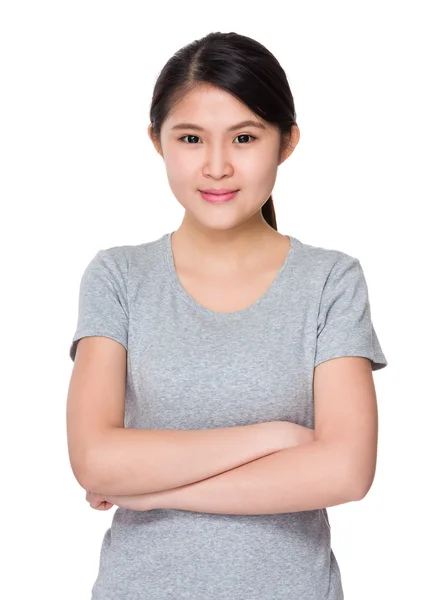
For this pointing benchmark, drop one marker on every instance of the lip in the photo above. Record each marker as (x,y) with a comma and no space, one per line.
(218,191)
(220,197)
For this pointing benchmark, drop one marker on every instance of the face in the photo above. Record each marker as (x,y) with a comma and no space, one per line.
(221,154)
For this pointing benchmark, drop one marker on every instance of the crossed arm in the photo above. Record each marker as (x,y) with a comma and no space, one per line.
(336,467)
(306,477)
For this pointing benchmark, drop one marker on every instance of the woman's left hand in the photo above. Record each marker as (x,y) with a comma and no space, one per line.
(98,501)
(134,502)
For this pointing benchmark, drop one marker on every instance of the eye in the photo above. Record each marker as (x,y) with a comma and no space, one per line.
(246,135)
(242,135)
(189,136)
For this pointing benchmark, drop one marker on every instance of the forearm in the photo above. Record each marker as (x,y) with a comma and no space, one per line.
(306,477)
(137,461)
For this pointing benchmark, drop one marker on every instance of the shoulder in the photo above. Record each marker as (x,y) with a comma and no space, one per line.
(121,259)
(322,262)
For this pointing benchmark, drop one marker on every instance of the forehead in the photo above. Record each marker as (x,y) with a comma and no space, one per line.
(210,107)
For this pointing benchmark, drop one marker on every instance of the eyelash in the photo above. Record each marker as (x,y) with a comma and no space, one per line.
(241,134)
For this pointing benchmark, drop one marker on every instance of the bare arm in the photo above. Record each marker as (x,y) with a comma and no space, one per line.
(337,467)
(137,461)
(107,457)
(306,477)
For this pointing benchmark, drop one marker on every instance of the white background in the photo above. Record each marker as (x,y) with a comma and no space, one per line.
(367,177)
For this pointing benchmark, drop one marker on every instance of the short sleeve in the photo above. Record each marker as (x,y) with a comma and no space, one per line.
(103,303)
(344,326)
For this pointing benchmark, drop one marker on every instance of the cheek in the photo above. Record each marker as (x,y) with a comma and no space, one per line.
(180,167)
(178,172)
(260,172)
(256,163)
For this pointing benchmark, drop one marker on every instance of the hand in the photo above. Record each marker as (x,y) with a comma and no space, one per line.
(98,501)
(133,502)
(137,501)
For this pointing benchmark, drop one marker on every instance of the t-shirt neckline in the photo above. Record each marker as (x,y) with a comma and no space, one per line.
(199,308)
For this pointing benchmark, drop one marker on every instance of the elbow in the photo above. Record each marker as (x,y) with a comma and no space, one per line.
(349,482)
(358,473)
(359,484)
(95,466)
(356,492)
(89,474)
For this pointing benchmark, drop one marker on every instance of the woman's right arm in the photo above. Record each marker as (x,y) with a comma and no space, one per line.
(138,461)
(108,458)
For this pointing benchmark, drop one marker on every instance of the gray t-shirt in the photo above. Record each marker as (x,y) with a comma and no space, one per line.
(189,367)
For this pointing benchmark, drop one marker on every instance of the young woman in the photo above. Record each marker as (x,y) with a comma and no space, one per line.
(222,394)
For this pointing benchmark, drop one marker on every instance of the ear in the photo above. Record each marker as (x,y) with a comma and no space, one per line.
(154,140)
(290,143)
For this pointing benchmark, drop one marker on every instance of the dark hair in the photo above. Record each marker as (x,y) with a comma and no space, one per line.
(237,64)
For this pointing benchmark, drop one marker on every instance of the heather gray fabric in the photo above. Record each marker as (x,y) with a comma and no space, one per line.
(189,367)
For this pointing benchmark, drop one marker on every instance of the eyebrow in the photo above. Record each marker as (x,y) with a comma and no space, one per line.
(247,123)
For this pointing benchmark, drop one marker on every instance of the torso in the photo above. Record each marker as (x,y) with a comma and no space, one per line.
(189,368)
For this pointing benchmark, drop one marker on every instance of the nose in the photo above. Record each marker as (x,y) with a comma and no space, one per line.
(217,162)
